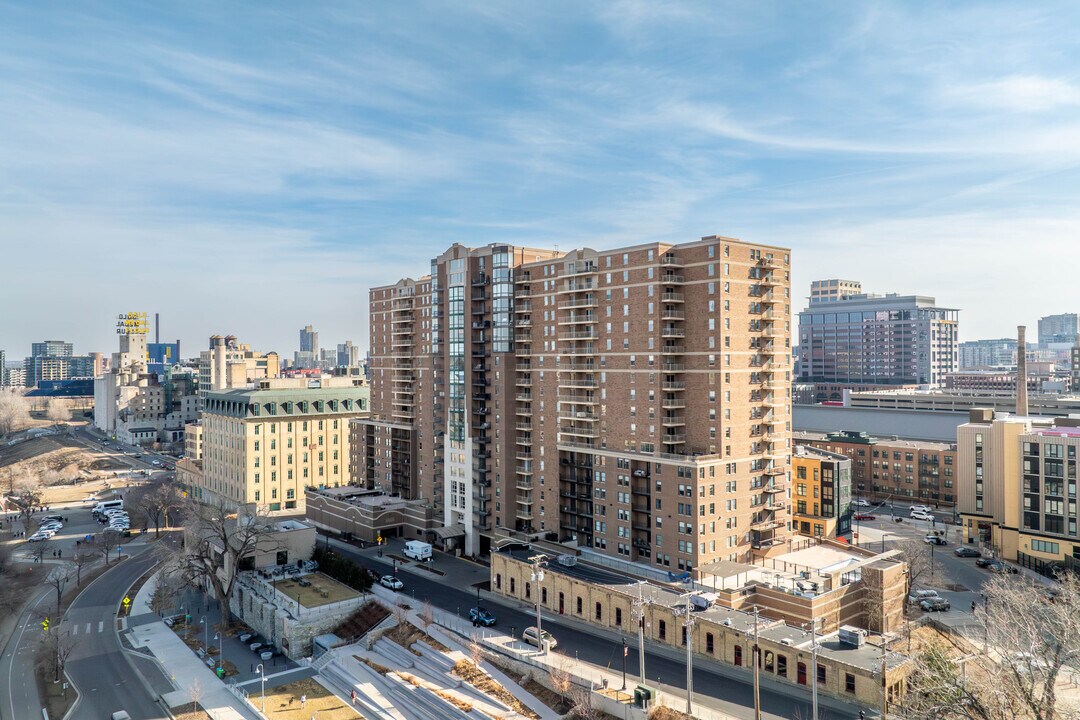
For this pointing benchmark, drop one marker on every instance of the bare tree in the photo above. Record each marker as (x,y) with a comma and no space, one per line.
(195,692)
(217,539)
(916,554)
(26,493)
(57,411)
(426,615)
(1032,641)
(56,649)
(107,540)
(58,578)
(168,587)
(157,502)
(82,559)
(476,650)
(14,411)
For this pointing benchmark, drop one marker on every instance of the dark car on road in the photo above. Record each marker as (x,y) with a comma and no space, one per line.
(967,552)
(985,562)
(480,616)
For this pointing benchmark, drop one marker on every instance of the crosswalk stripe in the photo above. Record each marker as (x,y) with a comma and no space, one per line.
(101,626)
(87,628)
(74,629)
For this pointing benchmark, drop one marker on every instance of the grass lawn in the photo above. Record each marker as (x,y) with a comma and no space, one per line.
(312,596)
(283,702)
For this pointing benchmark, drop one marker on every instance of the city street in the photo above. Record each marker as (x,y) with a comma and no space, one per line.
(718,687)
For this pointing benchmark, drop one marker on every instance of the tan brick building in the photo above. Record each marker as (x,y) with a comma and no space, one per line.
(264,445)
(632,402)
(821,492)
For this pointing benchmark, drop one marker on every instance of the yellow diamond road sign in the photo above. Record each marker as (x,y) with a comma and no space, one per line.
(127,601)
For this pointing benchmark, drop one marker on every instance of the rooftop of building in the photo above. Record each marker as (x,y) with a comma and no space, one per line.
(877,300)
(315,590)
(798,435)
(867,657)
(806,451)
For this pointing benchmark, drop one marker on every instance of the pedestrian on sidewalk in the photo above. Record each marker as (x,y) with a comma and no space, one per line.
(353,697)
(303,701)
(972,607)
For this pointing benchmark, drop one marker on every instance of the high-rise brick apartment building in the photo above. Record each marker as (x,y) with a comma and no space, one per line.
(632,401)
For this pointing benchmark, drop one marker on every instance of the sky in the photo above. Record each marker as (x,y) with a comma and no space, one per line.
(249,168)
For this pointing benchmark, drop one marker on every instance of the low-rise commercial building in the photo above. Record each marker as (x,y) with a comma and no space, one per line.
(723,631)
(367,515)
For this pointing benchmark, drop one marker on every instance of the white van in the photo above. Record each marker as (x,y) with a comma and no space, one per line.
(417,550)
(101,507)
(532,637)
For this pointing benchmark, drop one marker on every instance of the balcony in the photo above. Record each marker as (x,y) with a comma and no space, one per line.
(577,398)
(775,488)
(587,349)
(673,404)
(671,261)
(764,525)
(576,382)
(672,297)
(523,337)
(524,469)
(672,332)
(672,279)
(577,319)
(586,269)
(481,281)
(523,427)
(769,262)
(673,421)
(776,471)
(589,334)
(523,411)
(672,315)
(524,455)
(568,416)
(674,439)
(524,322)
(524,440)
(589,301)
(673,385)
(768,280)
(523,381)
(578,431)
(673,349)
(578,286)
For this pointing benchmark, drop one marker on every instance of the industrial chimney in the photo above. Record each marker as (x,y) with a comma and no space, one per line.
(1021,372)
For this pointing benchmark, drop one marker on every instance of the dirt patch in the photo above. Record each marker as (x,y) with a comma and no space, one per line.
(185,712)
(549,697)
(405,634)
(470,673)
(381,669)
(662,712)
(360,622)
(283,702)
(57,700)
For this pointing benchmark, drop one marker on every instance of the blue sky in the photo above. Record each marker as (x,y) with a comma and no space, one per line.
(250,168)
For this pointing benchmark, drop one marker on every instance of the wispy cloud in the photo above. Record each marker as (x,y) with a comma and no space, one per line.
(182,161)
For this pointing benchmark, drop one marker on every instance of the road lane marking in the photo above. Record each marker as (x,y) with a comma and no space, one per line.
(75,630)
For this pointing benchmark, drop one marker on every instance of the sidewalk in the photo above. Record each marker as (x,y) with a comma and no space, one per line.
(183,667)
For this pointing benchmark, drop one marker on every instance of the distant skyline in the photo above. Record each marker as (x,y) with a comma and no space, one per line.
(252,167)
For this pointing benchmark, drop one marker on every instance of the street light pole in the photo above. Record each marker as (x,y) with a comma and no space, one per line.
(538,577)
(813,684)
(757,668)
(624,651)
(639,614)
(206,632)
(689,628)
(262,676)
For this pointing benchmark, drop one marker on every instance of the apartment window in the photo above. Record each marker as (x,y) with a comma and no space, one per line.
(849,683)
(663,630)
(599,611)
(579,606)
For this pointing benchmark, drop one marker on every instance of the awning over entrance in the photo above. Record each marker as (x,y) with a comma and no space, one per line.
(449,531)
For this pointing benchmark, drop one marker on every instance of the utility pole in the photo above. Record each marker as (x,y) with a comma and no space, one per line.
(538,577)
(757,669)
(813,659)
(624,650)
(639,614)
(884,681)
(689,627)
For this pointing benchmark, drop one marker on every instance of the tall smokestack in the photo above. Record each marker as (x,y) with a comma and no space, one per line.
(157,327)
(1021,372)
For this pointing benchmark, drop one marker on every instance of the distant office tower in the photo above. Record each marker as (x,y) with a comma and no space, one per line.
(348,355)
(309,341)
(1059,329)
(52,348)
(3,369)
(54,360)
(988,353)
(632,402)
(877,340)
(831,290)
(1074,366)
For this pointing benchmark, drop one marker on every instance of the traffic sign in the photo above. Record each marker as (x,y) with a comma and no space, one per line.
(45,625)
(127,601)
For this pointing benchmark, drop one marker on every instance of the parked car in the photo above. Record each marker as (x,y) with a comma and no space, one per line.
(1001,568)
(155,463)
(532,636)
(920,515)
(389,581)
(935,540)
(859,502)
(39,536)
(985,562)
(121,715)
(917,596)
(967,552)
(480,616)
(936,604)
(923,508)
(865,516)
